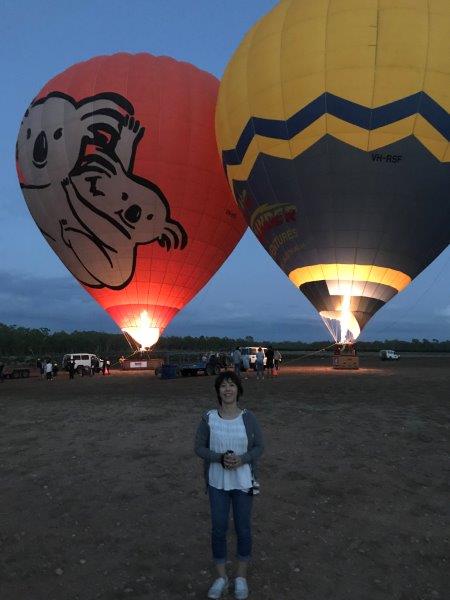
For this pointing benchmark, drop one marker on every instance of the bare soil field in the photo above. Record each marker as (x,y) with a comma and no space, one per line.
(102,497)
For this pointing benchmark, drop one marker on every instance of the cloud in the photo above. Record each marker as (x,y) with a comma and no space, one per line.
(54,302)
(60,303)
(262,323)
(444,312)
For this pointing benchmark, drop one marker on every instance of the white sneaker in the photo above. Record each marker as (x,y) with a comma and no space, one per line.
(240,588)
(219,588)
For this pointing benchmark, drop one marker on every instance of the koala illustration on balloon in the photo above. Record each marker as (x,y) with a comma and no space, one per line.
(75,162)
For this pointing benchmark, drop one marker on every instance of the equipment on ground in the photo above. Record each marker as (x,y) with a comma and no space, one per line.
(17,372)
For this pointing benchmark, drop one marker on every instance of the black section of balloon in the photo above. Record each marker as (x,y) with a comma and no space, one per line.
(341,206)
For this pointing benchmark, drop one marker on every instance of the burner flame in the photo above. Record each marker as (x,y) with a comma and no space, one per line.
(144,333)
(342,323)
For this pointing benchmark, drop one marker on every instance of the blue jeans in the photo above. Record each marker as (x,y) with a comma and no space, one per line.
(220,501)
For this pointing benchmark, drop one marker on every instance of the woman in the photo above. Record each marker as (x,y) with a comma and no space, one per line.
(277,360)
(260,363)
(246,365)
(230,441)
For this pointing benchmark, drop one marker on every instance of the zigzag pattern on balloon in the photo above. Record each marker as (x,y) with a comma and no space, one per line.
(419,113)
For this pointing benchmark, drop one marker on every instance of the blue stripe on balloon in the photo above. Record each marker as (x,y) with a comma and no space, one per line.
(351,112)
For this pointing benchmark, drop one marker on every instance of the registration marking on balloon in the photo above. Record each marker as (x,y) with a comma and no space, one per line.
(100,210)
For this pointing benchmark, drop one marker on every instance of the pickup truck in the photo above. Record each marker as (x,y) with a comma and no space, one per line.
(201,367)
(207,365)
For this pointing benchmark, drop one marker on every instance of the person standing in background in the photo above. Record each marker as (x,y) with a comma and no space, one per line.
(260,363)
(277,359)
(71,368)
(246,365)
(237,357)
(41,365)
(49,369)
(269,364)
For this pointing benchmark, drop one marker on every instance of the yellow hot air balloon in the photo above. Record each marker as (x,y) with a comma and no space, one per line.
(333,125)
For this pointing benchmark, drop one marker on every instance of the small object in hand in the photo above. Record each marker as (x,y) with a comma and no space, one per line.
(223,458)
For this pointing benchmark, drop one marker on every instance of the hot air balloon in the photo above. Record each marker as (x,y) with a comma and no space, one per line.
(332,122)
(118,163)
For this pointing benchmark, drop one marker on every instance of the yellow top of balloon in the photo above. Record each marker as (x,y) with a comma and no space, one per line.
(371,53)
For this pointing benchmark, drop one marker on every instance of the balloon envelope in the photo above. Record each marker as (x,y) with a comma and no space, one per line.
(333,124)
(118,164)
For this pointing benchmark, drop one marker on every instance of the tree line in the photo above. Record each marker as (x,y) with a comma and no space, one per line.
(24,342)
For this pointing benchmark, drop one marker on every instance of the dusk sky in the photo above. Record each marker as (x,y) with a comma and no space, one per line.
(249,295)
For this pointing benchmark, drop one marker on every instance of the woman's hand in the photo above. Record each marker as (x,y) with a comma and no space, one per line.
(232,461)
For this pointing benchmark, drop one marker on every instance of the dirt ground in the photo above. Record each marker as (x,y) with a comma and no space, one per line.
(101,496)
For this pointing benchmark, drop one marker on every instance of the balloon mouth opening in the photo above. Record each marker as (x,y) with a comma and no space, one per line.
(143,334)
(342,323)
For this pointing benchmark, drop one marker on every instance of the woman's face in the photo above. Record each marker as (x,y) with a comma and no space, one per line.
(228,392)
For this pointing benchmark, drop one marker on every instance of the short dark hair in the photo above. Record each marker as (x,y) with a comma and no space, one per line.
(231,375)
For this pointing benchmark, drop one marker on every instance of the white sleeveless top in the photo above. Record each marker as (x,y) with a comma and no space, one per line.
(228,434)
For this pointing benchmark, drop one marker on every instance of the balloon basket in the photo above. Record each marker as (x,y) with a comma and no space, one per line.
(345,362)
(150,364)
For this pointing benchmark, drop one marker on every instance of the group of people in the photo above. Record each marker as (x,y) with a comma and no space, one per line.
(272,358)
(47,369)
(89,370)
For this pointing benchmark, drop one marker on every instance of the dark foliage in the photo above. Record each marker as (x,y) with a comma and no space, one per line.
(22,342)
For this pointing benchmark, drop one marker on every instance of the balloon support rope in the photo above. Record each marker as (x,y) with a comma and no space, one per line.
(126,358)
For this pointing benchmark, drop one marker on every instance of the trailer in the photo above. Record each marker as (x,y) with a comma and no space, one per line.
(17,372)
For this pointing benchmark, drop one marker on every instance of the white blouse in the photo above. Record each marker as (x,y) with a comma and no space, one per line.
(228,434)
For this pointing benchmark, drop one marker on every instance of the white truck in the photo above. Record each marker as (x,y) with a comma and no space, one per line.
(251,352)
(82,361)
(389,355)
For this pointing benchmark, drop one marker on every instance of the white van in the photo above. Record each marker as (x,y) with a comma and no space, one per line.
(81,361)
(251,352)
(389,355)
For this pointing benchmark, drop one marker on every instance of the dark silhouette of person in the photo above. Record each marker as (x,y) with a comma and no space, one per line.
(270,358)
(71,369)
(105,368)
(95,365)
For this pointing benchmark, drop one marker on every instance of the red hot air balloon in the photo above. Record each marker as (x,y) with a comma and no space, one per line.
(118,164)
